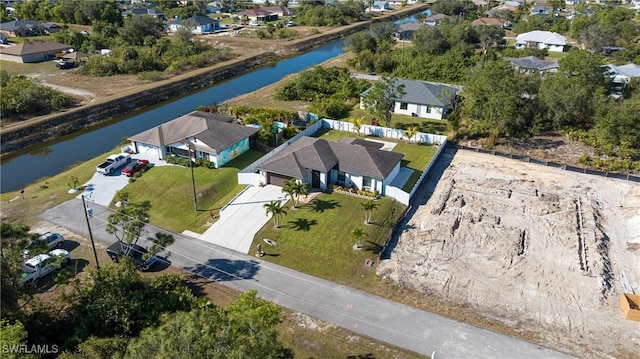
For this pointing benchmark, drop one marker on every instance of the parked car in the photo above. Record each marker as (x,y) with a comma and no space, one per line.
(48,240)
(43,264)
(135,252)
(133,167)
(64,65)
(291,23)
(254,23)
(113,162)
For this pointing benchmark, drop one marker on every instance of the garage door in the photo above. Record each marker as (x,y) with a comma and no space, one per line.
(276,179)
(147,149)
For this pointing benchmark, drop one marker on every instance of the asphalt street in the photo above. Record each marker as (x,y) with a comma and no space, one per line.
(365,314)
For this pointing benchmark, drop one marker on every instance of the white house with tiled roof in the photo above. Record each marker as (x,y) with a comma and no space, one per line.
(542,40)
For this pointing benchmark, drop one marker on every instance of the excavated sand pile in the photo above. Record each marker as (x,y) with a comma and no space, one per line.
(538,248)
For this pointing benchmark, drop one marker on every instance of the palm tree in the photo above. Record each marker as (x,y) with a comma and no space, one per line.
(410,132)
(357,234)
(276,211)
(300,188)
(357,124)
(368,208)
(288,190)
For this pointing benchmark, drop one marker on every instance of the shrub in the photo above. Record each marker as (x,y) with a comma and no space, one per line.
(178,161)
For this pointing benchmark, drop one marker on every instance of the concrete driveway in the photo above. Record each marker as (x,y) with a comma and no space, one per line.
(102,188)
(242,218)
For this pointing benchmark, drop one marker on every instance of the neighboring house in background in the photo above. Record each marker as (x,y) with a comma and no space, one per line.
(423,99)
(213,137)
(379,6)
(542,40)
(281,11)
(480,3)
(575,2)
(399,2)
(434,19)
(621,75)
(32,51)
(487,21)
(541,10)
(405,31)
(141,11)
(258,15)
(532,64)
(349,162)
(507,5)
(200,24)
(16,28)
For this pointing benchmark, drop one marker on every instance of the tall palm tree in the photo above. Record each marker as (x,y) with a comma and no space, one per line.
(368,208)
(288,190)
(299,188)
(276,211)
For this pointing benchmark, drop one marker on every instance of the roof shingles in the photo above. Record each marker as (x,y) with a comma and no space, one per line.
(214,133)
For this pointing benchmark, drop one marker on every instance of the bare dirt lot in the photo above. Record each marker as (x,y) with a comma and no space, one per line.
(536,248)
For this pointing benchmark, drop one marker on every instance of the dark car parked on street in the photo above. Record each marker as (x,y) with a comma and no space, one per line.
(137,253)
(65,65)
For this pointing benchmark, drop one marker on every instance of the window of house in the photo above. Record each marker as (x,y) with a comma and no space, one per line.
(366,182)
(342,177)
(404,105)
(428,109)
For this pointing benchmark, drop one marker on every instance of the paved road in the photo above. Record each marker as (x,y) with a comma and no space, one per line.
(360,312)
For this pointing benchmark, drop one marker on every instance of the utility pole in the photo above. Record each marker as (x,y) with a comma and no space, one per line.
(193,179)
(89,212)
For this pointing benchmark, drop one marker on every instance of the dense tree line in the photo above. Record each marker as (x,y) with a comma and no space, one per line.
(113,312)
(23,96)
(332,90)
(499,102)
(82,12)
(342,13)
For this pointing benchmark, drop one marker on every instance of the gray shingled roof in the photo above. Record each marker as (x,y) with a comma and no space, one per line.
(532,62)
(197,20)
(33,47)
(424,93)
(310,153)
(213,130)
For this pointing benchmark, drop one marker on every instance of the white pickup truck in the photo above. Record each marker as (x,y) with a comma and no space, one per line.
(113,162)
(43,264)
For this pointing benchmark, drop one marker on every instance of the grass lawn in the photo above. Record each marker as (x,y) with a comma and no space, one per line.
(425,125)
(47,192)
(316,238)
(170,191)
(46,67)
(416,155)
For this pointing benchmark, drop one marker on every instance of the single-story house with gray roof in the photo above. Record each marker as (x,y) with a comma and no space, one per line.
(212,136)
(348,162)
(423,99)
(532,64)
(200,24)
(15,28)
(32,51)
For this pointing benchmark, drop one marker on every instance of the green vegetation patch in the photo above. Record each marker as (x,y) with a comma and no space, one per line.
(23,96)
(169,190)
(316,238)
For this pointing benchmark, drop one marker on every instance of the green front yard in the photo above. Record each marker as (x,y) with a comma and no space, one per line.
(316,238)
(170,191)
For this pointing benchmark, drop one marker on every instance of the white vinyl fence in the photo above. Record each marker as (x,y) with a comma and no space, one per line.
(250,176)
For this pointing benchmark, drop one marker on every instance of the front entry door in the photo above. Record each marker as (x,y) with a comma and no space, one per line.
(315,179)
